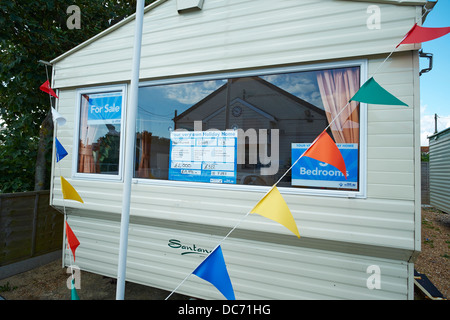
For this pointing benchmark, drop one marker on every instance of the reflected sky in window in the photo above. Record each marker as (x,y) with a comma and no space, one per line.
(302,85)
(158,104)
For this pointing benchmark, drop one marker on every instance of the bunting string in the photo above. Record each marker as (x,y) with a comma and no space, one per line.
(184,280)
(395,48)
(312,144)
(67,190)
(364,94)
(248,213)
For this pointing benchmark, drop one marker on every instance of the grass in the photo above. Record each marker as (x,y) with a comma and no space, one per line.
(429,242)
(7,287)
(429,225)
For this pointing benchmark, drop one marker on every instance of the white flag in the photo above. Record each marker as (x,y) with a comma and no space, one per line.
(58,117)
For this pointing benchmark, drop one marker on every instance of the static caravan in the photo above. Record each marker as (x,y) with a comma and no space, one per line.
(268,76)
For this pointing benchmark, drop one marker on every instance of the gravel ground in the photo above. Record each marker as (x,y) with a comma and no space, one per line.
(434,260)
(49,281)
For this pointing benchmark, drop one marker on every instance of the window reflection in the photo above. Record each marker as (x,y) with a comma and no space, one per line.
(285,108)
(99,134)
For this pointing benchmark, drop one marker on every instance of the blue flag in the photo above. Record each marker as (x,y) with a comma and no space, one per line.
(60,151)
(214,270)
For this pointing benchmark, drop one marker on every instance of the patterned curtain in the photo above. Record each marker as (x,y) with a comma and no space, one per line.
(86,161)
(337,87)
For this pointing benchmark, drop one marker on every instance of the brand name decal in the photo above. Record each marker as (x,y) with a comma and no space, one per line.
(187,249)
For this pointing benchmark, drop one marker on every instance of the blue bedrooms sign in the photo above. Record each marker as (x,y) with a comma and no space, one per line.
(312,173)
(105,108)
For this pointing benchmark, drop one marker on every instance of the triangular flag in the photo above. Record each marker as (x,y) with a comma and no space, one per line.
(214,270)
(419,34)
(46,88)
(372,92)
(324,149)
(69,192)
(273,206)
(72,240)
(58,117)
(74,291)
(60,151)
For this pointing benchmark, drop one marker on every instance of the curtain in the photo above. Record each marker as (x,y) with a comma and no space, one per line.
(144,161)
(337,87)
(86,161)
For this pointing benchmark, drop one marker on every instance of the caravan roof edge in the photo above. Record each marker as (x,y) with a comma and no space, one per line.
(105,32)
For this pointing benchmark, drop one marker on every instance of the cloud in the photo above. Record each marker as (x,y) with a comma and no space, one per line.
(303,85)
(191,93)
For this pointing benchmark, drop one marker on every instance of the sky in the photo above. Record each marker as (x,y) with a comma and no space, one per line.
(435,85)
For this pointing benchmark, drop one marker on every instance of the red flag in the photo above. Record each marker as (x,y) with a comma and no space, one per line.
(46,88)
(72,239)
(325,150)
(419,34)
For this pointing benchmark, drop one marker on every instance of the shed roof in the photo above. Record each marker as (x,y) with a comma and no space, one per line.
(439,134)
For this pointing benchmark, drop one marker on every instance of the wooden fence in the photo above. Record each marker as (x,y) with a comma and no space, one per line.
(425,182)
(29,226)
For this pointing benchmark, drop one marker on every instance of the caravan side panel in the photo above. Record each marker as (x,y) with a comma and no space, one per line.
(163,257)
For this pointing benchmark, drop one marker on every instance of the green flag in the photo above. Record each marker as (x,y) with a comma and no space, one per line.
(74,291)
(372,92)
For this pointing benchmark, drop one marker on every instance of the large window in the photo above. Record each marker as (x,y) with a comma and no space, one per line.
(100,120)
(249,129)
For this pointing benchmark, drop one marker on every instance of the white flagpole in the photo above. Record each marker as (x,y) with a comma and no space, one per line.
(129,151)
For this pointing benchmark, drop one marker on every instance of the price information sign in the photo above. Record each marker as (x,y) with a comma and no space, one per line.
(203,156)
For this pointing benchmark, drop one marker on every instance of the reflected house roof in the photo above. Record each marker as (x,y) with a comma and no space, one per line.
(253,103)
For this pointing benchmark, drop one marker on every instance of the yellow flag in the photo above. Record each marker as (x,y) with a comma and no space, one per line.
(69,192)
(274,207)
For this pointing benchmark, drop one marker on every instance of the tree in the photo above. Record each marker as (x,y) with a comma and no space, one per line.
(31,31)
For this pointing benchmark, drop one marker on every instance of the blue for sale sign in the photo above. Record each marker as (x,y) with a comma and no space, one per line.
(312,173)
(105,108)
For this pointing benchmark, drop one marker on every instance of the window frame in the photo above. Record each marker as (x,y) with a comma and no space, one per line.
(361,193)
(99,176)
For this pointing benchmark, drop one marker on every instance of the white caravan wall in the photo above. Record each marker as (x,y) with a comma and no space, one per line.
(235,34)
